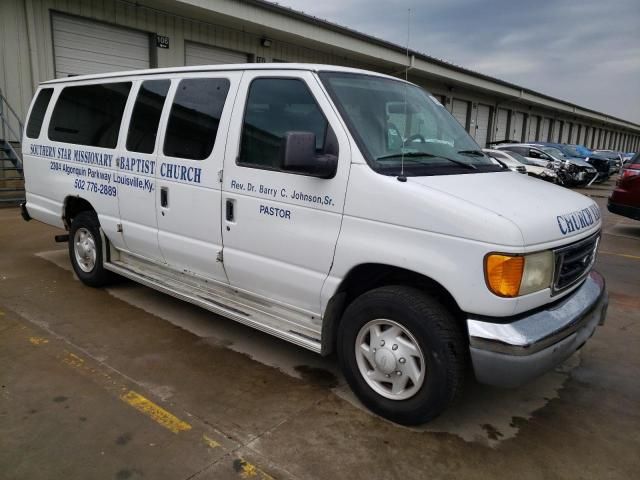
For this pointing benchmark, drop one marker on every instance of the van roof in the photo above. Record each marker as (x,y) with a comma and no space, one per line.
(218,68)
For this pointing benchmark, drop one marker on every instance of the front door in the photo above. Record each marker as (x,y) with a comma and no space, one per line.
(281,228)
(188,175)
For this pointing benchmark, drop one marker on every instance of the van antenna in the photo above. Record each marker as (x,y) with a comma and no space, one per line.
(402,178)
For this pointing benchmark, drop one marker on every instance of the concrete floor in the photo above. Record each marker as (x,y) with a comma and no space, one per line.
(125,383)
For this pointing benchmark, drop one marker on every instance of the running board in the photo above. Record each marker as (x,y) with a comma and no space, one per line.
(222,305)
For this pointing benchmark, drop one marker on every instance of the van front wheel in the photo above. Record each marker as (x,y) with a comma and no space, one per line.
(85,250)
(402,353)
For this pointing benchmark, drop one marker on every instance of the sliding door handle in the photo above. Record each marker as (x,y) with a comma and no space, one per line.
(230,211)
(164,197)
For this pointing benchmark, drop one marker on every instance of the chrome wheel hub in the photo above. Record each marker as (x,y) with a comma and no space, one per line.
(84,247)
(390,359)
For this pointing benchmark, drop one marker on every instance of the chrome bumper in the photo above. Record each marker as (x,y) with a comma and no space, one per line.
(510,354)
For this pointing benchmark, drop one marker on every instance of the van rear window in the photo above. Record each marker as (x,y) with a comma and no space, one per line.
(37,112)
(194,118)
(89,114)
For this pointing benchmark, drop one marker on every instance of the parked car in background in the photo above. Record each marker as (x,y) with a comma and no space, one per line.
(533,154)
(507,160)
(625,198)
(615,159)
(569,171)
(574,168)
(580,152)
(546,172)
(595,159)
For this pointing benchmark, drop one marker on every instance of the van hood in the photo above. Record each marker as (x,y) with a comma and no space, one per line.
(542,211)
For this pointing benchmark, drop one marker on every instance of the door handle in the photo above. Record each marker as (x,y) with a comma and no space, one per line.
(229,211)
(164,197)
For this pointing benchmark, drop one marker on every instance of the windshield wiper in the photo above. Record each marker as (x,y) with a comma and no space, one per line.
(477,153)
(428,155)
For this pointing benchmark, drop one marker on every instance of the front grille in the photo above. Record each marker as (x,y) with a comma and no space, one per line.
(573,262)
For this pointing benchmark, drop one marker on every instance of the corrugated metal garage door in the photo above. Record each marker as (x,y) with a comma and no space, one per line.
(573,133)
(482,124)
(588,134)
(533,128)
(565,133)
(517,123)
(460,110)
(544,130)
(82,46)
(555,131)
(199,54)
(501,124)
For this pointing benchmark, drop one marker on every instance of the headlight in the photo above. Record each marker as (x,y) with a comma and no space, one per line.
(510,275)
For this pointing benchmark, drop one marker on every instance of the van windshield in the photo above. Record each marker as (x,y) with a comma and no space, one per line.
(402,130)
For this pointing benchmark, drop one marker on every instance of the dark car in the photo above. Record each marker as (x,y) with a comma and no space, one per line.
(601,164)
(594,157)
(615,158)
(625,198)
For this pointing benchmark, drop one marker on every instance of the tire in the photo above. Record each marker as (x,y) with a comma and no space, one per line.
(423,322)
(85,250)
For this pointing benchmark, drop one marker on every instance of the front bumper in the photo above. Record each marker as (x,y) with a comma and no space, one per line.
(510,354)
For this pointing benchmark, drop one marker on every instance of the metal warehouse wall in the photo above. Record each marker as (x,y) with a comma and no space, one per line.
(27,58)
(16,82)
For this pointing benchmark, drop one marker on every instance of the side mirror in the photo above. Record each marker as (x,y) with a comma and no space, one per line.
(298,153)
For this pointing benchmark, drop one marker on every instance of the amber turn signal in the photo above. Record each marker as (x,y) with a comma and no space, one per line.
(504,274)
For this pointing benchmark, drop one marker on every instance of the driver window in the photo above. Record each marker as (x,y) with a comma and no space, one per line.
(274,107)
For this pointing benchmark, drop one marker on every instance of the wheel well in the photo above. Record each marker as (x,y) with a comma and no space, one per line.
(72,207)
(369,276)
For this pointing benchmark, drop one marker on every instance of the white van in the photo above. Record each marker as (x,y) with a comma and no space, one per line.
(339,209)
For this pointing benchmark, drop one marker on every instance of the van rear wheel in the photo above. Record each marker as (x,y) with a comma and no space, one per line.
(85,250)
(402,353)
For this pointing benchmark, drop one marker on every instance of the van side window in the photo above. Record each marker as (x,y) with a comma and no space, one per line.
(145,118)
(37,112)
(194,118)
(276,106)
(89,114)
